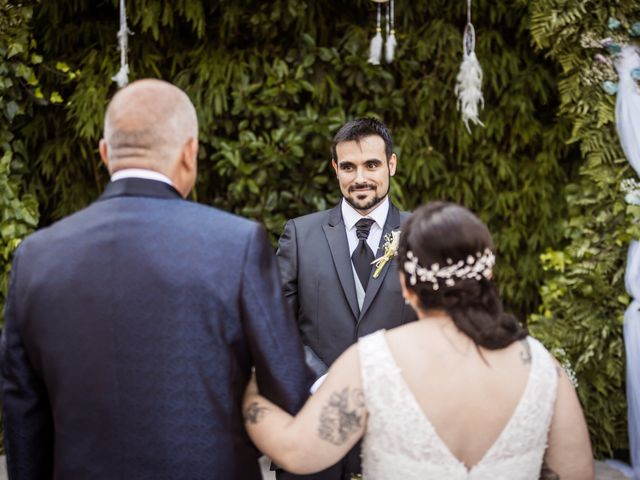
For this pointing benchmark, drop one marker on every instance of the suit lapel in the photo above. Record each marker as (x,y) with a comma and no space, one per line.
(339,246)
(392,223)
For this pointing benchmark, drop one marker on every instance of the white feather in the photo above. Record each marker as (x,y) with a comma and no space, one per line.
(375,50)
(469,90)
(122,77)
(391,47)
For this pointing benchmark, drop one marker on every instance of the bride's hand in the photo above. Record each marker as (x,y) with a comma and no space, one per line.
(253,405)
(252,387)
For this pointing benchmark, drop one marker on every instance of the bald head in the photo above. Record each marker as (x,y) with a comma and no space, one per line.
(148,125)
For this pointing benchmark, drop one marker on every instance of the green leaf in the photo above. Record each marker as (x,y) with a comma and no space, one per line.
(55,98)
(11,109)
(63,67)
(14,49)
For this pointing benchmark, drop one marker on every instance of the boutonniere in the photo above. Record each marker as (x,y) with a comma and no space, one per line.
(391,241)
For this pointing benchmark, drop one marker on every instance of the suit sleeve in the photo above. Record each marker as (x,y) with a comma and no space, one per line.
(272,334)
(28,425)
(287,256)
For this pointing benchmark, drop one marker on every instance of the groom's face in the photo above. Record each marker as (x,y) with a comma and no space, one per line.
(363,172)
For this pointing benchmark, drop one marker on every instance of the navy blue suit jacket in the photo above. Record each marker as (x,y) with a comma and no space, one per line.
(130,332)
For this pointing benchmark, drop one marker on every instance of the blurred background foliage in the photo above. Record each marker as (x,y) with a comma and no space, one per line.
(19,92)
(273,81)
(583,296)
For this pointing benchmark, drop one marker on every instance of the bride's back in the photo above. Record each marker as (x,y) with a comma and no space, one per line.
(467,394)
(462,393)
(437,410)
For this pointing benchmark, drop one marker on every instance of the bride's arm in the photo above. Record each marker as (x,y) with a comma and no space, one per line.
(568,455)
(329,424)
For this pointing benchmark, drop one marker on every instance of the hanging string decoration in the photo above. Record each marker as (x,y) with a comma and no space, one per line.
(391,33)
(375,49)
(469,80)
(122,77)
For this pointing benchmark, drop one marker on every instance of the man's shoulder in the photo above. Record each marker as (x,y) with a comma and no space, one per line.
(181,215)
(200,219)
(208,211)
(58,228)
(312,219)
(404,215)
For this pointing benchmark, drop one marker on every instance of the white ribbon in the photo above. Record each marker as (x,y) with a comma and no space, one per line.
(628,123)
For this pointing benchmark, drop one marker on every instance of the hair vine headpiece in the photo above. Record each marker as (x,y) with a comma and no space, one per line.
(472,268)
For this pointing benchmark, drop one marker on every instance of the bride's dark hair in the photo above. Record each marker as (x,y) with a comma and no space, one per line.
(442,231)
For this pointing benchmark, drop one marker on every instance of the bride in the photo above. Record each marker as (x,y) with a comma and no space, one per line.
(463,393)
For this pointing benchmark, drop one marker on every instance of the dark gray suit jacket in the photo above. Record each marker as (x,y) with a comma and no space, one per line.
(315,266)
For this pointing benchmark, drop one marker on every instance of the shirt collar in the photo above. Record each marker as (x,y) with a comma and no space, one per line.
(140,173)
(350,215)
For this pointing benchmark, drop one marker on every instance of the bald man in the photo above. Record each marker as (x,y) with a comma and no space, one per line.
(131,327)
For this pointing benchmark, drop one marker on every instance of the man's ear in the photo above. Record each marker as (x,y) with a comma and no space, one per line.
(104,153)
(190,155)
(393,163)
(335,166)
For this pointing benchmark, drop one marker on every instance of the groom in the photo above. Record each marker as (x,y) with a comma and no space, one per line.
(325,259)
(132,326)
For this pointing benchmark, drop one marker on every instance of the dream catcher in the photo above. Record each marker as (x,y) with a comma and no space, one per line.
(469,80)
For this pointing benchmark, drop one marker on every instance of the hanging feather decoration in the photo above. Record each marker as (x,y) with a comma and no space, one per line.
(375,50)
(122,77)
(391,34)
(469,80)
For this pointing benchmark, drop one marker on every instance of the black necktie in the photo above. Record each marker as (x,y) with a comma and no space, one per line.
(362,256)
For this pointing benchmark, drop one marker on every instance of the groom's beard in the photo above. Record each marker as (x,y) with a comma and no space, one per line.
(366,204)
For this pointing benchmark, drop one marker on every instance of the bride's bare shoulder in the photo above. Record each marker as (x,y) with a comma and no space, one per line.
(406,330)
(419,332)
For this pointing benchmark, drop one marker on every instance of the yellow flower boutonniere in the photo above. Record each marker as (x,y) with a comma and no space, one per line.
(391,241)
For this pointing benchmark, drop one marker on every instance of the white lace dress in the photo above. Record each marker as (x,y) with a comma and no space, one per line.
(401,443)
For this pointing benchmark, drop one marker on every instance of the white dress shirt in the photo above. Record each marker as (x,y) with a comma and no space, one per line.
(140,173)
(350,217)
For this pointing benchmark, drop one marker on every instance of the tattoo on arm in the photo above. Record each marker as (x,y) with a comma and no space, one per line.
(525,355)
(254,413)
(547,474)
(342,416)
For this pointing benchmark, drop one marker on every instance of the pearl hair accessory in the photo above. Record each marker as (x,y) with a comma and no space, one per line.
(473,267)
